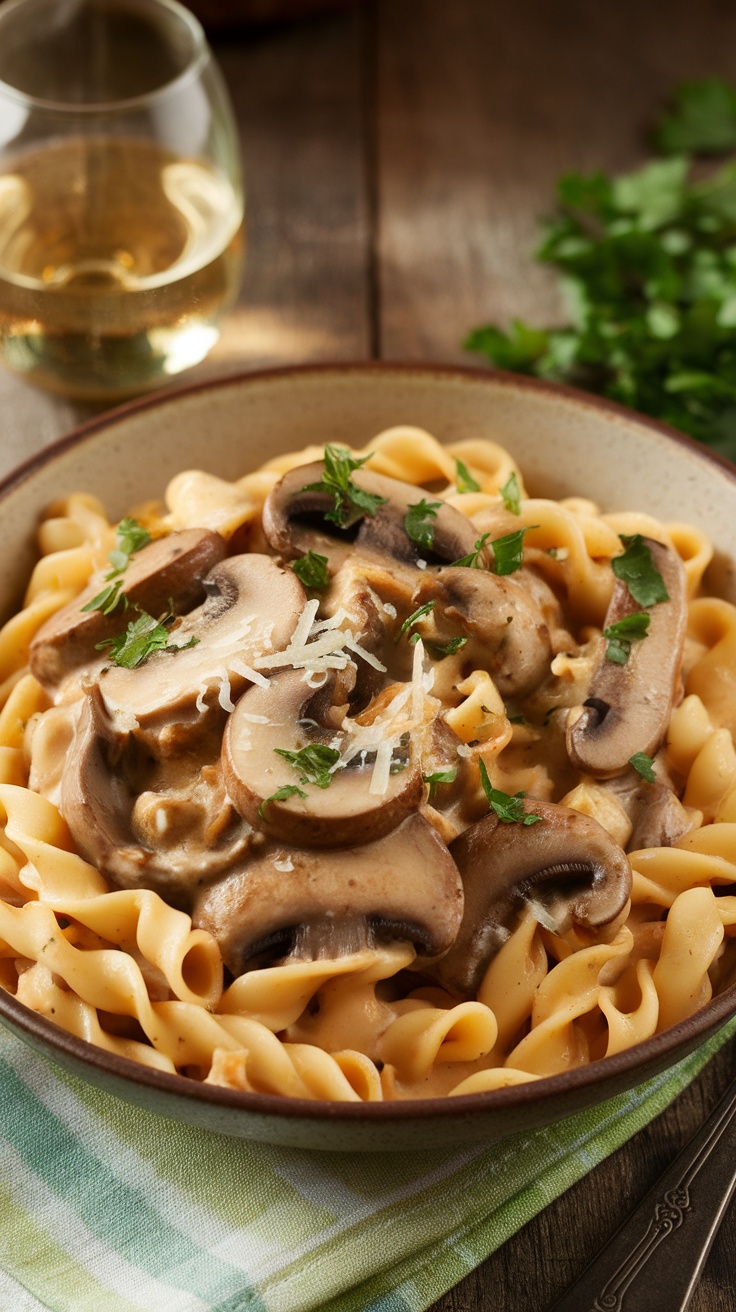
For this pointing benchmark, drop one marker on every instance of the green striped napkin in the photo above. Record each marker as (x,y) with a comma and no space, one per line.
(105,1208)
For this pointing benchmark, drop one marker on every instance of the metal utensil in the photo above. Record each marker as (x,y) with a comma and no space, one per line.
(655,1259)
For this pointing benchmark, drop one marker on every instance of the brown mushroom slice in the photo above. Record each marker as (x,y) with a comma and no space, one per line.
(251,609)
(566,864)
(170,569)
(365,799)
(511,638)
(294,521)
(657,816)
(403,887)
(628,707)
(193,833)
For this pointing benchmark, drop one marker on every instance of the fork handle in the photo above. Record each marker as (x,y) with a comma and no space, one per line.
(654,1260)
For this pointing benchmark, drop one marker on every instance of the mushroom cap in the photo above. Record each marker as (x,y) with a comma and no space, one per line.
(170,568)
(404,886)
(567,862)
(511,637)
(294,521)
(202,836)
(628,707)
(289,715)
(251,607)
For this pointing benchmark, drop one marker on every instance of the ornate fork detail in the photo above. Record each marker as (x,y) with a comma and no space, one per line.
(642,1268)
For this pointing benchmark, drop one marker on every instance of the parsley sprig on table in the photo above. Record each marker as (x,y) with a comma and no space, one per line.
(648,268)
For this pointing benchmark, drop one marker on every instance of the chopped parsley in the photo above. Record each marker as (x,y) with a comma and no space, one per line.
(509,809)
(313,763)
(281,794)
(351,502)
(472,560)
(464,481)
(439,777)
(644,765)
(130,537)
(107,601)
(508,551)
(142,637)
(418,523)
(638,571)
(437,651)
(416,615)
(511,495)
(646,262)
(311,570)
(632,628)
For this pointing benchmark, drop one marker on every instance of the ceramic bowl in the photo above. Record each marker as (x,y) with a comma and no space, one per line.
(565,443)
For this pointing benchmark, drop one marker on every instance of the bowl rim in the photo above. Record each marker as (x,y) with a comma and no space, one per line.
(649,1055)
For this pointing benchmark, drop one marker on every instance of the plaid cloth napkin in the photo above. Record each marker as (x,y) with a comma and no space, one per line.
(105,1208)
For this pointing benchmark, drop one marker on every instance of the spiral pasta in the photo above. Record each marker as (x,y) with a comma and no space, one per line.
(126,969)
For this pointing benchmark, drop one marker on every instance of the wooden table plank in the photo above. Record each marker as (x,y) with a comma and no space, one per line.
(481,107)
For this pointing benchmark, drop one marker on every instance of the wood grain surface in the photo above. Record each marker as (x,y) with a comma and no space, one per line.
(398,156)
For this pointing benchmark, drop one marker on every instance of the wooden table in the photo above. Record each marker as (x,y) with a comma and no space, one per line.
(397,159)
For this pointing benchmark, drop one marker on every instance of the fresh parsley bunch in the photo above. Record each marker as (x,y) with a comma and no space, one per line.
(648,268)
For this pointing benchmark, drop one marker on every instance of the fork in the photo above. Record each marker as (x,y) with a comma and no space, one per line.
(655,1259)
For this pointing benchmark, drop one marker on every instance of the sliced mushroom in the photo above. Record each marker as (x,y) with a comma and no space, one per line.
(511,639)
(657,816)
(294,521)
(359,804)
(251,609)
(628,706)
(405,886)
(172,837)
(566,863)
(170,569)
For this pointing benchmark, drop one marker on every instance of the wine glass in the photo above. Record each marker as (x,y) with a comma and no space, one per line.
(121,204)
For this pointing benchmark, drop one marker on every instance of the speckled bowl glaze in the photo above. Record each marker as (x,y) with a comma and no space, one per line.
(565,443)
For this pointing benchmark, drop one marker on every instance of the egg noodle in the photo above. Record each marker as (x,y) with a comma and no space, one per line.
(123,969)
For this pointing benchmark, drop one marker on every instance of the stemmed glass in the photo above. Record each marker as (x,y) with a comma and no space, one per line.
(121,205)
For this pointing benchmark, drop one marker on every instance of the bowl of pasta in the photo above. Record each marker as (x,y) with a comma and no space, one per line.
(367,772)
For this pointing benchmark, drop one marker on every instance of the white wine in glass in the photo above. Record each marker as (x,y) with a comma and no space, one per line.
(121,208)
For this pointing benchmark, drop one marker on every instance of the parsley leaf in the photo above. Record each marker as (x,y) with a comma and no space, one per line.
(351,502)
(130,537)
(646,265)
(637,570)
(702,120)
(508,551)
(472,560)
(644,765)
(632,628)
(287,790)
(510,810)
(107,600)
(439,777)
(438,650)
(313,763)
(416,615)
(311,570)
(418,522)
(142,637)
(510,494)
(464,481)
